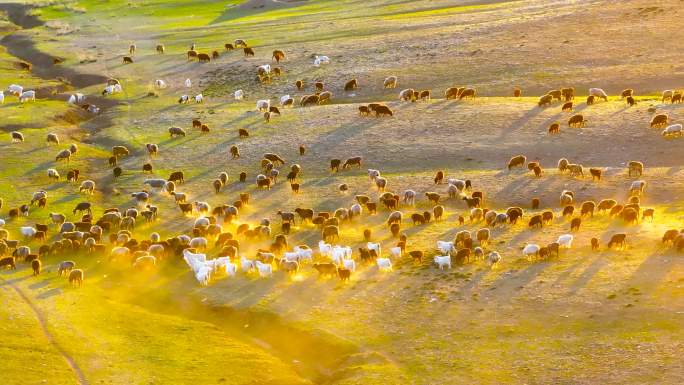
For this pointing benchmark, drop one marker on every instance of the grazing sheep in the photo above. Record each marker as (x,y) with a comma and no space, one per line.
(647,213)
(575,224)
(568,211)
(674,130)
(27,96)
(545,100)
(595,173)
(590,100)
(530,250)
(321,60)
(53,174)
(606,204)
(618,240)
(660,120)
(17,137)
(407,95)
(390,82)
(517,161)
(467,93)
(76,276)
(598,93)
(577,121)
(567,107)
(351,85)
(554,128)
(576,169)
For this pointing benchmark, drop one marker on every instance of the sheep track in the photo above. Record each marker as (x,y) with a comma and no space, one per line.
(78,373)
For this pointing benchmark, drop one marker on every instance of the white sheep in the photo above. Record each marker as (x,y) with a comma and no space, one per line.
(531,250)
(349,264)
(445,247)
(395,252)
(76,98)
(284,99)
(458,183)
(265,270)
(199,98)
(155,183)
(184,99)
(15,89)
(88,186)
(374,246)
(321,60)
(2,222)
(27,96)
(119,251)
(410,197)
(599,93)
(27,231)
(373,174)
(494,258)
(325,249)
(443,261)
(355,210)
(52,174)
(2,97)
(263,105)
(188,83)
(239,94)
(565,241)
(304,253)
(674,130)
(384,264)
(246,265)
(264,69)
(202,222)
(160,84)
(202,207)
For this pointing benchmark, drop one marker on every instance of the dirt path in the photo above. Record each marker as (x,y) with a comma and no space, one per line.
(78,373)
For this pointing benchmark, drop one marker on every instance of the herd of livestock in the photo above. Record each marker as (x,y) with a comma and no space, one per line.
(218,230)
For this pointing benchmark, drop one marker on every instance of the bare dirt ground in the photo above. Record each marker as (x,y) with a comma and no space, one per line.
(588,317)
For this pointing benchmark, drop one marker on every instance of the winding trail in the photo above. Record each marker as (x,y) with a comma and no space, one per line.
(78,373)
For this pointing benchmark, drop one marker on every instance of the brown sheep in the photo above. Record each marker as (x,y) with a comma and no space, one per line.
(192,54)
(264,183)
(432,197)
(647,213)
(618,240)
(351,85)
(472,202)
(591,99)
(547,217)
(417,219)
(267,116)
(308,100)
(545,100)
(536,221)
(636,168)
(8,262)
(556,94)
(451,93)
(676,98)
(248,51)
(517,161)
(575,224)
(517,92)
(318,86)
(424,95)
(324,97)
(535,203)
(438,212)
(217,184)
(395,228)
(302,150)
(594,244)
(204,128)
(242,133)
(203,58)
(160,48)
(567,107)
(382,110)
(117,171)
(439,177)
(554,128)
(660,120)
(670,236)
(630,101)
(577,121)
(630,215)
(215,54)
(127,60)
(330,232)
(335,165)
(606,204)
(295,187)
(234,152)
(587,208)
(343,274)
(76,275)
(416,256)
(467,93)
(595,173)
(299,84)
(278,55)
(568,93)
(537,171)
(364,111)
(35,266)
(616,210)
(147,168)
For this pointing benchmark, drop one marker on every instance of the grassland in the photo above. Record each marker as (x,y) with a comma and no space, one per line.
(589,317)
